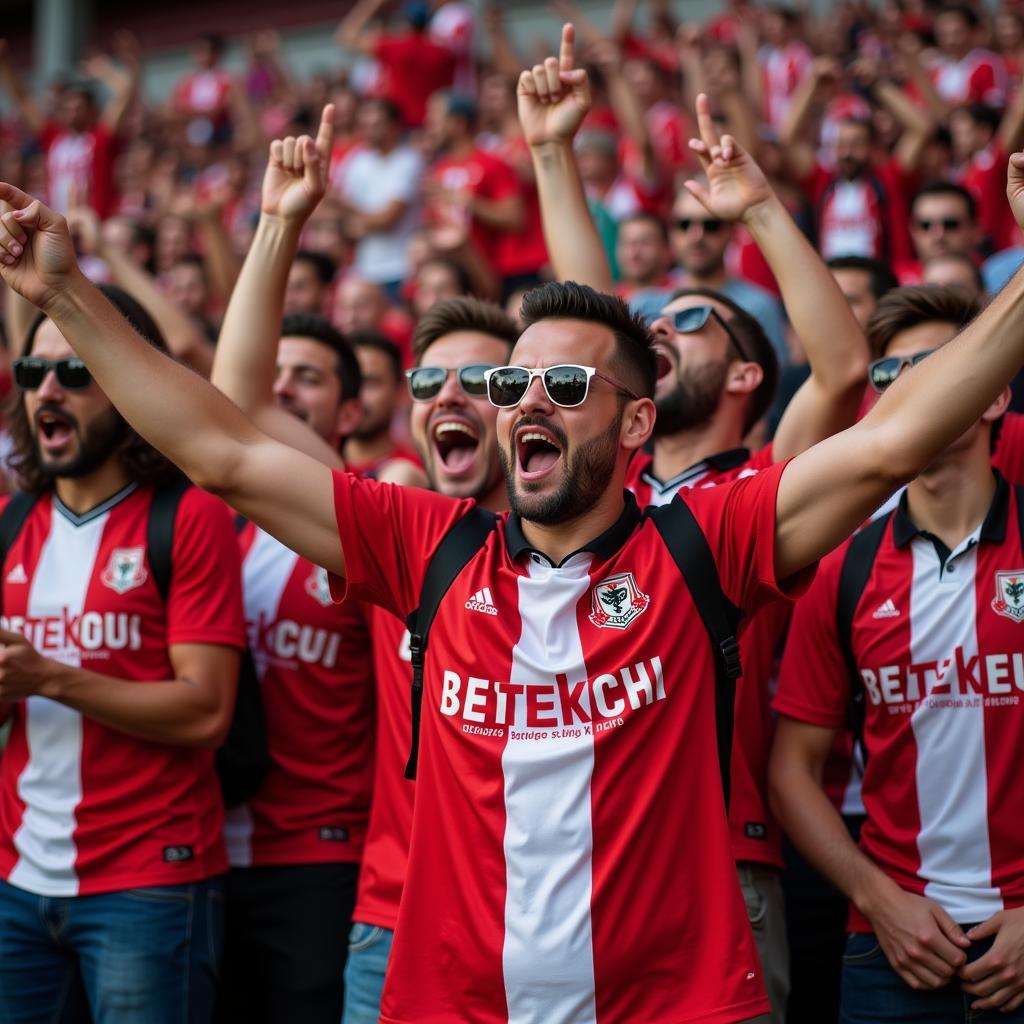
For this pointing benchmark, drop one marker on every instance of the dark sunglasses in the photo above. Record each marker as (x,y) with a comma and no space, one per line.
(948,223)
(567,386)
(30,372)
(882,372)
(687,321)
(425,382)
(710,225)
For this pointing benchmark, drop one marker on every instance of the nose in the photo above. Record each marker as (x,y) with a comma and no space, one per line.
(536,398)
(662,327)
(50,389)
(283,384)
(451,392)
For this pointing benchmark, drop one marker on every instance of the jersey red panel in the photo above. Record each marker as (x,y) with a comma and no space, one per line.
(938,647)
(550,826)
(85,808)
(313,661)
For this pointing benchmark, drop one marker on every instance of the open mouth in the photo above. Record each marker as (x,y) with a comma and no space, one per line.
(538,451)
(456,443)
(54,430)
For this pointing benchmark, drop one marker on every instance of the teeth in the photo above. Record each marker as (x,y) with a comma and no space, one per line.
(530,435)
(447,428)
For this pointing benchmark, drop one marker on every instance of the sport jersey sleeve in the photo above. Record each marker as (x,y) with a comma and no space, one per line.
(814,686)
(388,534)
(738,520)
(204,602)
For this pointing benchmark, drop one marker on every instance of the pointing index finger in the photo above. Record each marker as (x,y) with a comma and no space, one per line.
(567,53)
(325,134)
(708,134)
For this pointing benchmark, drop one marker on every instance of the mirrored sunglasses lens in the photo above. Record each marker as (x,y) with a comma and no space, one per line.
(566,385)
(918,357)
(472,379)
(507,385)
(686,321)
(73,374)
(425,382)
(883,373)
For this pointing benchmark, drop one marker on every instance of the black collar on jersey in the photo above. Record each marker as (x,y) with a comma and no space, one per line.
(603,546)
(722,461)
(993,528)
(104,506)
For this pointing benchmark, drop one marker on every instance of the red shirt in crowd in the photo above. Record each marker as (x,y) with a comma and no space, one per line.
(555,864)
(979,78)
(413,68)
(82,164)
(521,252)
(84,807)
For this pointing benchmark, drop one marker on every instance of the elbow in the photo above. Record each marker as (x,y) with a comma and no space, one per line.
(210,728)
(890,456)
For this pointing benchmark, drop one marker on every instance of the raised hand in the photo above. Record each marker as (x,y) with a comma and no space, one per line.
(37,256)
(736,184)
(554,97)
(296,177)
(1015,186)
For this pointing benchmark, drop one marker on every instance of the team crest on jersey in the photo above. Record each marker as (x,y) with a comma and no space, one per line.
(1009,599)
(616,602)
(318,588)
(124,571)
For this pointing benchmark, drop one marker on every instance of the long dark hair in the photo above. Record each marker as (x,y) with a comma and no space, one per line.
(141,461)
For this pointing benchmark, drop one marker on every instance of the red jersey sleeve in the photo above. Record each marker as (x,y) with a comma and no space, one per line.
(814,684)
(204,603)
(388,534)
(738,520)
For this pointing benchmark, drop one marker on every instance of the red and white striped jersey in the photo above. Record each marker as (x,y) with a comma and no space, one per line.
(86,808)
(559,867)
(755,833)
(313,662)
(937,639)
(784,68)
(382,874)
(979,78)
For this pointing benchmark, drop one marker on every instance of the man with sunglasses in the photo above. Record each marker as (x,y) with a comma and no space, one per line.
(936,901)
(558,869)
(943,222)
(717,375)
(117,689)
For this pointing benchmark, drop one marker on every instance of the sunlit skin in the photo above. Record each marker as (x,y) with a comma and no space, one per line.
(939,240)
(307,385)
(455,433)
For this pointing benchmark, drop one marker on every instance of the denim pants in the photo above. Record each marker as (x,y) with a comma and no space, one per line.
(369,947)
(137,956)
(873,993)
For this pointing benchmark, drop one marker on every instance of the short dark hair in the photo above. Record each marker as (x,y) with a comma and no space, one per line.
(389,108)
(755,343)
(917,304)
(379,343)
(318,328)
(881,279)
(984,114)
(323,266)
(567,300)
(457,269)
(966,12)
(464,313)
(643,217)
(141,461)
(964,260)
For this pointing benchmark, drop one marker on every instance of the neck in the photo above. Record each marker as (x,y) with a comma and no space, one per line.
(715,278)
(368,449)
(496,499)
(83,493)
(561,539)
(460,148)
(951,500)
(675,453)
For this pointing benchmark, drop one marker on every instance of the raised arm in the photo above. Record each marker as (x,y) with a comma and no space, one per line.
(12,82)
(245,364)
(287,493)
(830,398)
(352,32)
(799,150)
(553,98)
(829,490)
(121,80)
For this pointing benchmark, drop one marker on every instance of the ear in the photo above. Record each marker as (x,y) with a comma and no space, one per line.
(637,424)
(743,378)
(350,412)
(998,407)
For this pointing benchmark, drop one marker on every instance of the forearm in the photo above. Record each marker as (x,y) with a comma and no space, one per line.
(499,214)
(18,316)
(632,122)
(572,240)
(26,105)
(916,123)
(349,31)
(220,258)
(176,711)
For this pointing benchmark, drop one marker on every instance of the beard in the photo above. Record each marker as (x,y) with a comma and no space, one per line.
(693,401)
(96,443)
(585,475)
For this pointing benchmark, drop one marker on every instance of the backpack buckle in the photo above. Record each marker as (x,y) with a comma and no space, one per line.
(729,649)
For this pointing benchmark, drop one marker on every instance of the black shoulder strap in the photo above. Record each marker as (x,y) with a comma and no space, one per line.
(687,544)
(12,519)
(457,547)
(1018,493)
(160,532)
(853,578)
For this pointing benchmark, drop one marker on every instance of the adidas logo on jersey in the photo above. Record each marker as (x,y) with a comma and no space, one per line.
(886,610)
(482,601)
(17,574)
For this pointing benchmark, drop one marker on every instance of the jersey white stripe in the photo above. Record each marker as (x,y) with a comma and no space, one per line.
(51,784)
(548,958)
(952,785)
(267,568)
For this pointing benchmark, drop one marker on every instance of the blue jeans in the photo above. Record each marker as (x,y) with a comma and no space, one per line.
(873,993)
(369,947)
(138,956)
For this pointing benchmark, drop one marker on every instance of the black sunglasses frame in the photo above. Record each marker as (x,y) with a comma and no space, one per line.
(459,371)
(948,223)
(709,225)
(72,373)
(900,363)
(708,312)
(589,372)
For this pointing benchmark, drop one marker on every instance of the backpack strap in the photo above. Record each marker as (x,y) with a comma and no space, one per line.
(12,519)
(853,578)
(689,548)
(1018,493)
(453,554)
(160,532)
